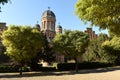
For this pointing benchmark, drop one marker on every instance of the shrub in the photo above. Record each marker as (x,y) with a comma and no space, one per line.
(35,67)
(47,69)
(10,68)
(84,65)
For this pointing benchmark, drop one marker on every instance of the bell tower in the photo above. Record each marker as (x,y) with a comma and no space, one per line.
(48,21)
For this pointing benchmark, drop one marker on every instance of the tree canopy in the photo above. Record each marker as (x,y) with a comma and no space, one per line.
(47,52)
(4,1)
(113,47)
(22,42)
(95,51)
(113,44)
(71,43)
(101,13)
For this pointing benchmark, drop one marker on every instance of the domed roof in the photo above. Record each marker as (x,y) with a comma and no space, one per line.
(59,26)
(37,26)
(48,13)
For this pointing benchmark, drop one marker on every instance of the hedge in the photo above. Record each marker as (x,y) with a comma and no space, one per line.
(47,69)
(84,65)
(60,67)
(9,68)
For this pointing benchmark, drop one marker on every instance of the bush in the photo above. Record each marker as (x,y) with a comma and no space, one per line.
(10,68)
(35,67)
(47,69)
(84,65)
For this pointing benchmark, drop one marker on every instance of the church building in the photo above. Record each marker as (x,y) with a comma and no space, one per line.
(49,29)
(48,25)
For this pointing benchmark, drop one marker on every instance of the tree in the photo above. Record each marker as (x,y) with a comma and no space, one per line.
(3,2)
(47,51)
(96,52)
(72,44)
(3,57)
(22,43)
(113,47)
(101,13)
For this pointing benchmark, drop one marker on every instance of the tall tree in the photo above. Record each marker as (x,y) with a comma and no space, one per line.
(47,51)
(101,13)
(72,44)
(22,42)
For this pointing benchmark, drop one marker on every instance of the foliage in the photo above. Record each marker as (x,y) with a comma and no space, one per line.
(113,47)
(114,43)
(71,43)
(3,57)
(47,52)
(4,1)
(101,13)
(47,69)
(97,53)
(11,68)
(22,42)
(83,65)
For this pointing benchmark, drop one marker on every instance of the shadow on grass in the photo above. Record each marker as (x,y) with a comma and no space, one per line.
(58,73)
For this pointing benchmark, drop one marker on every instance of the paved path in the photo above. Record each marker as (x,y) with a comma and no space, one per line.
(94,74)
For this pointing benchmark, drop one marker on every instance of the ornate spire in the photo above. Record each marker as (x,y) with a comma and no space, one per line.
(58,23)
(48,8)
(37,22)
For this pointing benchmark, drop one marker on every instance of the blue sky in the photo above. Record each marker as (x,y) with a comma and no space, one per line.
(28,12)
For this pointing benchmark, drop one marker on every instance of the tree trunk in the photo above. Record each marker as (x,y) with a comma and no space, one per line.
(21,64)
(21,70)
(76,65)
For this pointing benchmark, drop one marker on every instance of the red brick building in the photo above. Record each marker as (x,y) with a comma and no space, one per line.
(91,33)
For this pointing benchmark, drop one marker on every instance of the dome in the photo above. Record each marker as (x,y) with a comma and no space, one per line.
(48,13)
(59,26)
(37,26)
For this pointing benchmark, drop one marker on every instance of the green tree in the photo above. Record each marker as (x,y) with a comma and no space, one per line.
(22,42)
(72,44)
(113,47)
(101,13)
(3,57)
(47,51)
(97,53)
